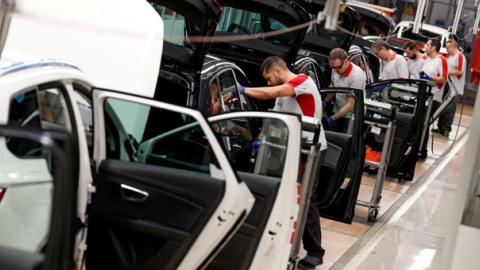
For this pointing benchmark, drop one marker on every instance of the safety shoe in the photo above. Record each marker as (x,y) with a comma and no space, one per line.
(310,263)
(422,154)
(445,133)
(436,130)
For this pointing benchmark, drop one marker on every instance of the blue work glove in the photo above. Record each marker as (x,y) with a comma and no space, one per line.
(241,88)
(379,88)
(255,145)
(330,120)
(324,102)
(233,92)
(425,77)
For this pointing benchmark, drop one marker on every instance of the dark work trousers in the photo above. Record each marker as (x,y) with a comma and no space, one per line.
(424,147)
(312,236)
(445,120)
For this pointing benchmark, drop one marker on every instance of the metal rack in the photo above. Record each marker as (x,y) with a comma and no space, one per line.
(310,154)
(380,117)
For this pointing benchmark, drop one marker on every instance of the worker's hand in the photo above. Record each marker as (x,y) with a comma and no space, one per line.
(330,120)
(233,92)
(324,103)
(425,76)
(255,145)
(379,88)
(241,88)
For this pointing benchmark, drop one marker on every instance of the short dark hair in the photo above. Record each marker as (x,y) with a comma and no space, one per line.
(453,41)
(435,42)
(337,53)
(411,45)
(379,43)
(271,62)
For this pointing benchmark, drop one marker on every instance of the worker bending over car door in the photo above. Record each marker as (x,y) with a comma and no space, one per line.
(345,74)
(296,94)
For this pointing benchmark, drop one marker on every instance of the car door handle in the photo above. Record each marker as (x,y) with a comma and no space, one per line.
(133,194)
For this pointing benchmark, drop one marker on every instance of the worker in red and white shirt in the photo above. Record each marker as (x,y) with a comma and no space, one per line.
(394,65)
(456,73)
(415,60)
(345,74)
(297,94)
(435,69)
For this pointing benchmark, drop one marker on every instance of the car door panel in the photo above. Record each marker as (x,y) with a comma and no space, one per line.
(57,250)
(244,242)
(195,194)
(335,163)
(342,168)
(409,99)
(272,179)
(174,202)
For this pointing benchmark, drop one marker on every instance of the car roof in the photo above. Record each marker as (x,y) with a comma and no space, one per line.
(428,27)
(119,50)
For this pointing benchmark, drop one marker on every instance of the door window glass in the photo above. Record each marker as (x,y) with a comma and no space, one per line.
(43,108)
(265,157)
(247,102)
(25,195)
(224,91)
(242,22)
(177,28)
(144,134)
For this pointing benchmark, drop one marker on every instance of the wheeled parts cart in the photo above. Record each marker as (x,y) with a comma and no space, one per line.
(380,120)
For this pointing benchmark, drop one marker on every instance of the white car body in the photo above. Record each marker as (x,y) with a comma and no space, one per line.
(442,33)
(116,50)
(59,30)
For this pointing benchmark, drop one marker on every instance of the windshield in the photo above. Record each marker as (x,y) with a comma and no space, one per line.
(338,36)
(421,37)
(177,28)
(372,27)
(242,22)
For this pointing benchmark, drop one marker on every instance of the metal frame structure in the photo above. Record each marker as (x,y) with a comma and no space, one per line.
(310,155)
(387,124)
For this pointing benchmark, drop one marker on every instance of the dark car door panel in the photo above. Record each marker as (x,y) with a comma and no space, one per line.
(409,98)
(151,229)
(341,172)
(334,167)
(239,251)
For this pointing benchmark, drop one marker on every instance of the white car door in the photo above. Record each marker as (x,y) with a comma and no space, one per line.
(166,196)
(39,166)
(265,239)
